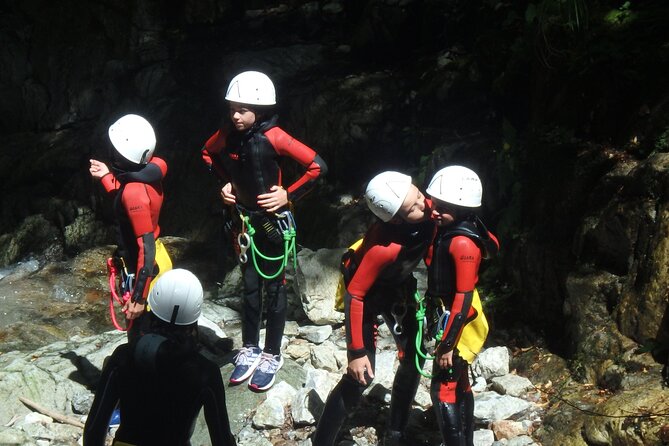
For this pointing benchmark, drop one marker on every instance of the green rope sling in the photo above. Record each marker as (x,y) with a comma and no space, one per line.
(420,317)
(245,240)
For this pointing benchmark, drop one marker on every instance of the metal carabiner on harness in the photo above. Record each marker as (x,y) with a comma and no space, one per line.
(285,221)
(442,322)
(398,311)
(244,242)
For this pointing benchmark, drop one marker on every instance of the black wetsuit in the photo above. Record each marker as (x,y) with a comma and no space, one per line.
(251,162)
(158,407)
(382,279)
(453,268)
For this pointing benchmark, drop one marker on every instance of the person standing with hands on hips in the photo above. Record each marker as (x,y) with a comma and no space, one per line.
(246,153)
(379,281)
(462,241)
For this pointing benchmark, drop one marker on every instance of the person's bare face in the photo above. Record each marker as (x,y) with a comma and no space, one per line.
(414,209)
(242,116)
(442,213)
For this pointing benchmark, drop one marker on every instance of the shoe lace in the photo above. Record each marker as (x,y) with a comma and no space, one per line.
(268,364)
(244,357)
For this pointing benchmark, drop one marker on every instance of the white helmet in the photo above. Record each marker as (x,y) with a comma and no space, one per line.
(133,137)
(386,192)
(456,185)
(251,87)
(177,297)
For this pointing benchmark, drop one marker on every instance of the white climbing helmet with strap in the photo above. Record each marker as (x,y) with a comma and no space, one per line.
(456,185)
(386,192)
(133,138)
(176,297)
(251,87)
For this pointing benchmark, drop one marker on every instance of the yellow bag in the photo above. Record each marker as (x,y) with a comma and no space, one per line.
(162,260)
(475,332)
(343,282)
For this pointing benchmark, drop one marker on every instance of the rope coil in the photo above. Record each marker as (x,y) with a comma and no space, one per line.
(114,294)
(245,239)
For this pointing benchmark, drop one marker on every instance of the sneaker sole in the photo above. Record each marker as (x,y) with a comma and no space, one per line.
(271,383)
(249,372)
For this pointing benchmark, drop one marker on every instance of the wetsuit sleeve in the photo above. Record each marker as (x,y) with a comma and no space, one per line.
(138,207)
(467,258)
(286,145)
(211,152)
(106,396)
(110,183)
(372,264)
(215,410)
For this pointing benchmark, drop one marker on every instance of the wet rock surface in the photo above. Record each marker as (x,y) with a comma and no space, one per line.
(581,211)
(522,396)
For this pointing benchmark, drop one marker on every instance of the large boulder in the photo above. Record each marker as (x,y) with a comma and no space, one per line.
(316,283)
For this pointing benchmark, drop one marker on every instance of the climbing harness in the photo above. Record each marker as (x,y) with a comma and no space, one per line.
(119,290)
(471,339)
(121,282)
(442,321)
(286,227)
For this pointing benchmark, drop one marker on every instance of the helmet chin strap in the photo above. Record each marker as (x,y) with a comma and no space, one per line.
(143,159)
(175,312)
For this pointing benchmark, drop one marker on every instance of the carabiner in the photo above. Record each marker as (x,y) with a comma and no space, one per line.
(398,310)
(244,242)
(442,322)
(285,221)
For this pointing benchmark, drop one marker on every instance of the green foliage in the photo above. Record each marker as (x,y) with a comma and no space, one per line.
(662,141)
(621,16)
(423,168)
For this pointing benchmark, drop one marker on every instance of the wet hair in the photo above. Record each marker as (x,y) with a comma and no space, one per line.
(263,112)
(182,334)
(162,344)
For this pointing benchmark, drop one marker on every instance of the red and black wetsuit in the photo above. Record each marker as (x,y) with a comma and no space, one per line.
(250,161)
(452,276)
(382,277)
(159,404)
(139,198)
